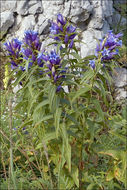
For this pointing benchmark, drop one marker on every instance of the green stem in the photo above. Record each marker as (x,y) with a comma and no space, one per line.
(11,144)
(80,165)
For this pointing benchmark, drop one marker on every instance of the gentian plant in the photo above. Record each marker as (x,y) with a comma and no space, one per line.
(65,128)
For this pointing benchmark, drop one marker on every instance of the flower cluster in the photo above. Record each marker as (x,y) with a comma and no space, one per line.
(108,45)
(54,66)
(31,39)
(30,47)
(63,32)
(13,49)
(107,48)
(26,50)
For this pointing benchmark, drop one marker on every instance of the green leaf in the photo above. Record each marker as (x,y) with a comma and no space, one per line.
(87,75)
(77,56)
(110,176)
(67,147)
(47,137)
(75,176)
(116,154)
(57,119)
(27,122)
(90,187)
(121,137)
(27,64)
(43,103)
(33,101)
(98,108)
(81,91)
(52,92)
(45,118)
(19,79)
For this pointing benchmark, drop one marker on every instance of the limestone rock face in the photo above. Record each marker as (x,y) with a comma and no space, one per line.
(80,11)
(26,7)
(120,82)
(7,20)
(93,17)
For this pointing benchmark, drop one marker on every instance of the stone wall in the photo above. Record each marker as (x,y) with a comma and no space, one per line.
(93,17)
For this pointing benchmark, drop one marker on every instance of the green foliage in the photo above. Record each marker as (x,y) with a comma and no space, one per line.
(64,140)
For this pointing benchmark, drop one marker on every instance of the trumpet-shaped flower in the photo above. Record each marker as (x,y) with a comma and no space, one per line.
(62,31)
(92,64)
(107,46)
(31,39)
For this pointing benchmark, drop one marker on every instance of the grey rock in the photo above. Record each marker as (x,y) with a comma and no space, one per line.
(80,12)
(67,7)
(107,7)
(8,5)
(35,8)
(7,20)
(118,19)
(22,8)
(26,24)
(29,7)
(120,83)
(116,2)
(120,94)
(120,77)
(89,37)
(51,10)
(44,28)
(97,18)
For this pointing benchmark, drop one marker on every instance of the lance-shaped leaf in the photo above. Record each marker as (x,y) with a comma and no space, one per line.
(81,91)
(57,120)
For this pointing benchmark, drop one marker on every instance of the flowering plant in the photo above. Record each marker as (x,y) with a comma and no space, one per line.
(67,103)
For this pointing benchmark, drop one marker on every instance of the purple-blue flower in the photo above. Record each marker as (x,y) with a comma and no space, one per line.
(13,50)
(60,19)
(54,29)
(13,47)
(55,70)
(54,58)
(41,58)
(31,39)
(107,46)
(66,39)
(63,32)
(71,44)
(92,63)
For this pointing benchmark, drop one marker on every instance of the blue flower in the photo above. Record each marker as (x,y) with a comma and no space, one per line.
(60,19)
(54,58)
(62,31)
(71,44)
(55,70)
(41,58)
(107,46)
(92,63)
(13,47)
(54,29)
(13,50)
(31,39)
(66,39)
